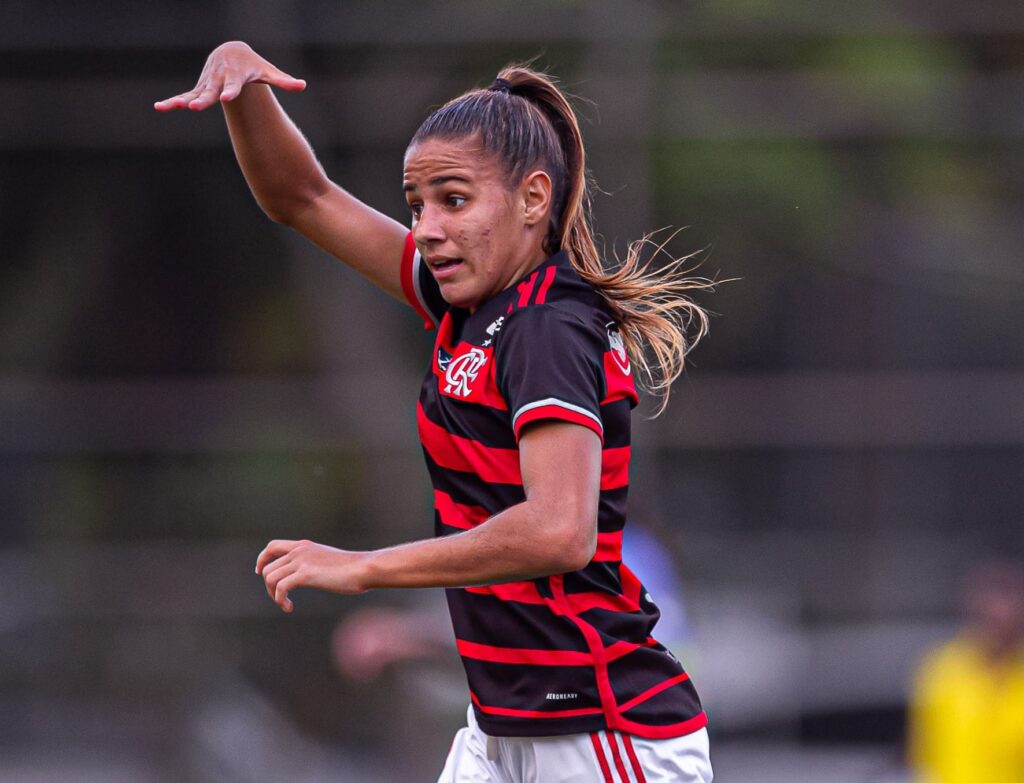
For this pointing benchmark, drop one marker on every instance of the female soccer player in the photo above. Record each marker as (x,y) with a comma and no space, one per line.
(523,417)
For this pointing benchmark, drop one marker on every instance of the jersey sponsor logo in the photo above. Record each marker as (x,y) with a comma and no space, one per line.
(618,347)
(462,371)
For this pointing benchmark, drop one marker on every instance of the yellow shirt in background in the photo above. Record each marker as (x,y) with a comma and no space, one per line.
(967,717)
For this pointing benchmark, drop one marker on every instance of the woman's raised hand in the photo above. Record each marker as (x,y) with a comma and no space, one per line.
(228,69)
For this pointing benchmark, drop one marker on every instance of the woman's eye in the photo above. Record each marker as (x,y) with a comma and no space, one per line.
(416,210)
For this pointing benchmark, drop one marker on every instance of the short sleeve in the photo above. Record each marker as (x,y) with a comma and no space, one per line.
(548,365)
(420,287)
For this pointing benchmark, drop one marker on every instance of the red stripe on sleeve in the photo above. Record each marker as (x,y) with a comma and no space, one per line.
(497,466)
(549,277)
(525,288)
(615,468)
(601,760)
(408,285)
(609,547)
(456,514)
(617,756)
(637,769)
(618,384)
(557,412)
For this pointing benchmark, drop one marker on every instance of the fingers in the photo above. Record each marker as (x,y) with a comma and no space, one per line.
(284,587)
(228,69)
(186,99)
(280,578)
(278,78)
(232,89)
(200,97)
(280,573)
(272,551)
(176,102)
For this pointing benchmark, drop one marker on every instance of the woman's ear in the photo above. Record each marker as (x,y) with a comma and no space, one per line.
(536,197)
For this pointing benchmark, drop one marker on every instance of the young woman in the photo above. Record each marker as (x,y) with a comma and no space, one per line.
(523,417)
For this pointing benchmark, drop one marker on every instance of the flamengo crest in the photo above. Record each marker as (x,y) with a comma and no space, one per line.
(462,371)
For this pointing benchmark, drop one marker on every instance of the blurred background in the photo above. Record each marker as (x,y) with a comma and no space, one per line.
(182,380)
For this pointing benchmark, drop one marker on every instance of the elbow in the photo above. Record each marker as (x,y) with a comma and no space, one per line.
(276,213)
(287,205)
(574,546)
(284,210)
(581,556)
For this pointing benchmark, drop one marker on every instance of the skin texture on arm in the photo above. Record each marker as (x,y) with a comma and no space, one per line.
(282,170)
(553,531)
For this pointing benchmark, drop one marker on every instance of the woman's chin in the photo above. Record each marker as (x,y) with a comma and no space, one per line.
(457,296)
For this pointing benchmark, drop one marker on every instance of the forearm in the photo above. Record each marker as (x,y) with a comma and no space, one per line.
(522,542)
(553,531)
(291,187)
(277,161)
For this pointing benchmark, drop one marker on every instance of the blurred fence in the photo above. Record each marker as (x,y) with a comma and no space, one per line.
(181,380)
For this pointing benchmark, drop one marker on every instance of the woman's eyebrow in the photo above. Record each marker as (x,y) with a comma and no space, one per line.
(436,181)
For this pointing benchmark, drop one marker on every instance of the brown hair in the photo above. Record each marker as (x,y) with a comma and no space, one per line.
(525,121)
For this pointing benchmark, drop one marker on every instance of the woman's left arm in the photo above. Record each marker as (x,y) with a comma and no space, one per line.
(551,532)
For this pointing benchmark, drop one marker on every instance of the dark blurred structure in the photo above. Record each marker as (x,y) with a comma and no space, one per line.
(181,380)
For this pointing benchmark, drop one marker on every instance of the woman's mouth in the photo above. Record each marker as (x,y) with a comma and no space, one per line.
(445,267)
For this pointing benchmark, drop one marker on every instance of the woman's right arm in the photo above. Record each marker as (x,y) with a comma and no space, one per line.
(282,171)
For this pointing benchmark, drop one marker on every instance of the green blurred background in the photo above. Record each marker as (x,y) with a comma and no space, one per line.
(181,379)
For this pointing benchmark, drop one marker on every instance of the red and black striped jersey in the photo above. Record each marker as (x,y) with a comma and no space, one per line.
(572,652)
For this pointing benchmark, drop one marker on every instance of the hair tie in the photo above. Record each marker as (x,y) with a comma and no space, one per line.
(501,85)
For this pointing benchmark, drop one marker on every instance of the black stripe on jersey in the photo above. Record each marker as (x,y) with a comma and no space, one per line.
(634,627)
(488,426)
(646,668)
(594,576)
(523,687)
(611,510)
(615,417)
(486,619)
(469,489)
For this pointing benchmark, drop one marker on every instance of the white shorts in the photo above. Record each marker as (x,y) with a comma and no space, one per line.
(598,757)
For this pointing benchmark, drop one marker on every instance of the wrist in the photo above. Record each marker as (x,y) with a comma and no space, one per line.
(370,573)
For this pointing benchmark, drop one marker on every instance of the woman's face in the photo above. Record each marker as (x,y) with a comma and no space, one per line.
(476,233)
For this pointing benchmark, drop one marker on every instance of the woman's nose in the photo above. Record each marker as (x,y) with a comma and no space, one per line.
(428,227)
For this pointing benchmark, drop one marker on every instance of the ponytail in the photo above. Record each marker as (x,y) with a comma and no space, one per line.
(526,121)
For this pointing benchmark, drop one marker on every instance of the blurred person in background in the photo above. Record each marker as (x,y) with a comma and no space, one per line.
(967,703)
(523,417)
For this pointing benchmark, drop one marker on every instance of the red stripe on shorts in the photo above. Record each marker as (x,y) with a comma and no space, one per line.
(617,756)
(600,757)
(637,769)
